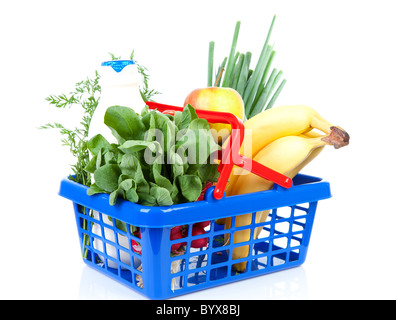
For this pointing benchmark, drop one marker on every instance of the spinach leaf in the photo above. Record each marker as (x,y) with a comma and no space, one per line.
(133,146)
(161,195)
(188,115)
(129,186)
(106,177)
(197,124)
(208,172)
(94,189)
(177,163)
(169,132)
(119,193)
(96,143)
(175,194)
(131,195)
(190,186)
(124,123)
(161,119)
(99,159)
(146,199)
(91,166)
(159,179)
(110,157)
(177,118)
(130,165)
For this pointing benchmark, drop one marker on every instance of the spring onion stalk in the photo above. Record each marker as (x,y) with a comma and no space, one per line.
(231,59)
(232,68)
(261,58)
(243,76)
(258,71)
(276,94)
(237,71)
(277,78)
(255,85)
(263,82)
(262,97)
(267,69)
(210,63)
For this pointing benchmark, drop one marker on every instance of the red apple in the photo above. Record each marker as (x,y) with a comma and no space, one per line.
(217,99)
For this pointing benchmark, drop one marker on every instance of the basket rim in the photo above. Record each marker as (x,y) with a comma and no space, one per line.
(305,189)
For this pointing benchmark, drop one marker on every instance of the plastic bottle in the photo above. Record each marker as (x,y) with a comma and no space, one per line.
(119,81)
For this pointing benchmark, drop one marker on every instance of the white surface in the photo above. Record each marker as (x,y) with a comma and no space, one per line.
(338,57)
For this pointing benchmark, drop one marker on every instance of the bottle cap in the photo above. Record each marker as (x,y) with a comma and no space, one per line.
(118,65)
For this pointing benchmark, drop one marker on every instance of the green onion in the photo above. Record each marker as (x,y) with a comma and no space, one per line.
(262,97)
(232,58)
(258,71)
(276,94)
(243,76)
(267,69)
(237,71)
(210,63)
(232,70)
(277,78)
(255,85)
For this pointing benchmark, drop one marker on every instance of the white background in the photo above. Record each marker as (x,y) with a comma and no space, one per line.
(337,56)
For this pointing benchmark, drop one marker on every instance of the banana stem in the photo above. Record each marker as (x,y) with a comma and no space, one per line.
(338,137)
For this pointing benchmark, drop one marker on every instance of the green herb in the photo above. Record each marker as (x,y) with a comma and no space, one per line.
(159,160)
(232,57)
(259,86)
(86,95)
(210,63)
(145,91)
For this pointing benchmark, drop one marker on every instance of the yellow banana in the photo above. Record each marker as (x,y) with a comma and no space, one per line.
(311,134)
(272,124)
(260,217)
(285,155)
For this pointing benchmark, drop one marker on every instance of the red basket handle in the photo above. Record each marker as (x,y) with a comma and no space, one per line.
(230,155)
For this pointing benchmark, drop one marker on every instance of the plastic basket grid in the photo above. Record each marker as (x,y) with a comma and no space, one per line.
(107,238)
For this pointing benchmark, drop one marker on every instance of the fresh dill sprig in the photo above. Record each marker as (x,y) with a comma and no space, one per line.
(113,57)
(86,95)
(145,91)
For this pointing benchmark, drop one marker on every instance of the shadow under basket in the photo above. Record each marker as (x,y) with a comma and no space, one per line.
(131,243)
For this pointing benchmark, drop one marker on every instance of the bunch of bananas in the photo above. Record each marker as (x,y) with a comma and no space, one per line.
(283,140)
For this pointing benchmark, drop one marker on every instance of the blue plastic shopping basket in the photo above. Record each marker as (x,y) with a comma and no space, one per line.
(108,239)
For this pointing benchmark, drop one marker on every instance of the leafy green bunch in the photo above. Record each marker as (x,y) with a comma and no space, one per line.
(159,159)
